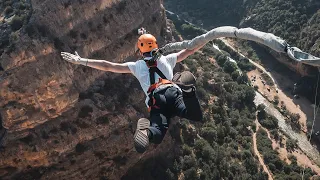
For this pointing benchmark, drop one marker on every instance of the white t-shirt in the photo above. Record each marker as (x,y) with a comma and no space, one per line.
(141,71)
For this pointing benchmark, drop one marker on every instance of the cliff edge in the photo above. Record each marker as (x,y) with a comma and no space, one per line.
(67,121)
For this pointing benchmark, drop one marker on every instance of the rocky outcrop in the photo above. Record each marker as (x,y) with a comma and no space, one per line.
(67,121)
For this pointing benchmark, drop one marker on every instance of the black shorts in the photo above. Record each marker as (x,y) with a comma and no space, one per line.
(172,102)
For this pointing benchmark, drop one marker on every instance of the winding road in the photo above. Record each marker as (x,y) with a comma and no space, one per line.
(256,151)
(303,141)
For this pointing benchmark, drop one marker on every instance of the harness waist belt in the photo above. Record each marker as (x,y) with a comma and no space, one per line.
(165,86)
(162,87)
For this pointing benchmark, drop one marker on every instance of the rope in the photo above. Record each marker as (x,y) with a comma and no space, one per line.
(315,112)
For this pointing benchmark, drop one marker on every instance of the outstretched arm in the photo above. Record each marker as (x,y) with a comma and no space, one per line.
(183,54)
(97,64)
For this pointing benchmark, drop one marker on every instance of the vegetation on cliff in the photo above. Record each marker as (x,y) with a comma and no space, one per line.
(14,15)
(279,168)
(221,147)
(295,21)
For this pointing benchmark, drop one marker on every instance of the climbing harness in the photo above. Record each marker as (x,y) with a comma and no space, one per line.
(184,80)
(162,83)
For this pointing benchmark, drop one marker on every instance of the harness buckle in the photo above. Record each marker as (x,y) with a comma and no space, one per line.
(151,63)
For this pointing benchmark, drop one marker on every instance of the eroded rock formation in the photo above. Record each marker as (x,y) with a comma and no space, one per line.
(67,121)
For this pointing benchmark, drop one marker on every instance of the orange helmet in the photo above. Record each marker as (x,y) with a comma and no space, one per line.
(147,43)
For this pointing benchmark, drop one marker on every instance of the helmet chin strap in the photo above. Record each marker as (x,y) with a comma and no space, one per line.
(152,53)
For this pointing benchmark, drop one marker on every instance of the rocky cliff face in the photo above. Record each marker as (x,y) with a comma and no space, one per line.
(68,121)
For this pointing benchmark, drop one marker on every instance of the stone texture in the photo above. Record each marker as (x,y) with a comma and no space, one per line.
(68,121)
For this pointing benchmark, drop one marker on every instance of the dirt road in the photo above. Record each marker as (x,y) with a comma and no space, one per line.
(303,142)
(256,152)
(291,105)
(270,92)
(302,159)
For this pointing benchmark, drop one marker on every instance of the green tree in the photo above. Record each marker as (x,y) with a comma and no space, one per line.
(229,67)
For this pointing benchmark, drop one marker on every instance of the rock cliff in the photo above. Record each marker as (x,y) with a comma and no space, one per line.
(67,121)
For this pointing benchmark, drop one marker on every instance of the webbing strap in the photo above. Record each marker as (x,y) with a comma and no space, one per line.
(152,71)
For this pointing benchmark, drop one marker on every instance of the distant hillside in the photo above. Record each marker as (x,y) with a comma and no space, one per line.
(296,21)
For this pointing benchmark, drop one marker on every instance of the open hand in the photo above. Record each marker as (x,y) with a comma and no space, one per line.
(75,59)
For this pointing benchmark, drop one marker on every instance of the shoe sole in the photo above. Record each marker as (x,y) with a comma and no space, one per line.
(185,78)
(141,141)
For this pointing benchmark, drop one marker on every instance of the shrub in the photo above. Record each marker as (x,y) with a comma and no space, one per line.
(85,111)
(102,120)
(221,59)
(191,174)
(44,135)
(65,126)
(121,6)
(254,127)
(191,30)
(270,122)
(81,148)
(243,79)
(17,22)
(208,133)
(267,78)
(170,175)
(245,65)
(188,162)
(58,44)
(294,119)
(22,6)
(203,95)
(291,145)
(229,67)
(275,134)
(235,75)
(186,149)
(8,10)
(73,34)
(193,68)
(28,139)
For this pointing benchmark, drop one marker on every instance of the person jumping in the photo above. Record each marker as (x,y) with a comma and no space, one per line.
(167,95)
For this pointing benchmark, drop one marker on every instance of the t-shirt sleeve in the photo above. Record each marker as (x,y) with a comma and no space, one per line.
(172,59)
(133,67)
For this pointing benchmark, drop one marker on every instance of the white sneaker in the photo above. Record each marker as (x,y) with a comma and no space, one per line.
(141,139)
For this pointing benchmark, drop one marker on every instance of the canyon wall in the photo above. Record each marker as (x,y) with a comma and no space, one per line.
(69,121)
